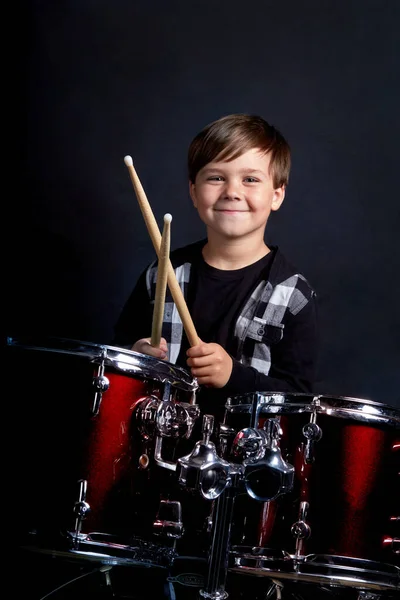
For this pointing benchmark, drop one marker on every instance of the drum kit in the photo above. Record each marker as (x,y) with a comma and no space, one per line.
(116,466)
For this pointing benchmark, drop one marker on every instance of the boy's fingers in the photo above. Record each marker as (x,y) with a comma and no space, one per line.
(200,361)
(201,350)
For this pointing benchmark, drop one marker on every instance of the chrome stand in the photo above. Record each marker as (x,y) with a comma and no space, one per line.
(204,471)
(260,470)
(214,588)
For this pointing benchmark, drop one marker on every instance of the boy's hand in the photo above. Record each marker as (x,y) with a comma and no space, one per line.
(210,364)
(144,347)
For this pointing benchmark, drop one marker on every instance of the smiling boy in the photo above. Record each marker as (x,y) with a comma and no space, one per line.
(255,313)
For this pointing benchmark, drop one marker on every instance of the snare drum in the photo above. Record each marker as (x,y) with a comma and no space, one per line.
(338,524)
(87,444)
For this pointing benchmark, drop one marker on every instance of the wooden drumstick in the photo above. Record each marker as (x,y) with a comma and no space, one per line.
(155,236)
(161,285)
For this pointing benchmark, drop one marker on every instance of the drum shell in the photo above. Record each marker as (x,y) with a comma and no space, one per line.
(352,487)
(64,438)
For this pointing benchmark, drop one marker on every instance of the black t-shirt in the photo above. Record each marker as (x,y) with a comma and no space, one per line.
(215,299)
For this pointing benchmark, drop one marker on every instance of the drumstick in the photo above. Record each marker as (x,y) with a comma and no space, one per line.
(155,236)
(161,285)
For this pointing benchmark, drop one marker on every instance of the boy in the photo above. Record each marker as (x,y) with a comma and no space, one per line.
(254,313)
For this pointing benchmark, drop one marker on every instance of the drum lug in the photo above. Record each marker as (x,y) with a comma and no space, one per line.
(81,507)
(313,433)
(393,543)
(101,384)
(301,529)
(225,435)
(168,522)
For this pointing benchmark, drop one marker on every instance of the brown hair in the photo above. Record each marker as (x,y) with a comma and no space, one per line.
(233,135)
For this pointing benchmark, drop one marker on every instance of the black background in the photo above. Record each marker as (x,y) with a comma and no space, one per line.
(98,80)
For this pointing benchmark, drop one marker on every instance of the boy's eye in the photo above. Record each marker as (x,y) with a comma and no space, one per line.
(215,178)
(250,179)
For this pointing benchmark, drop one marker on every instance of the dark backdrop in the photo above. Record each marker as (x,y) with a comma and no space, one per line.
(99,80)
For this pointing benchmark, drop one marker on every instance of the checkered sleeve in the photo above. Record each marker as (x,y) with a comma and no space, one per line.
(262,323)
(172,327)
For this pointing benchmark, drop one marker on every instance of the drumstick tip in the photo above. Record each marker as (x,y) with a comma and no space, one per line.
(128,160)
(167,218)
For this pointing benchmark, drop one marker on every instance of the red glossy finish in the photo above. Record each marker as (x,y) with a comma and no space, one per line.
(60,442)
(352,488)
(107,460)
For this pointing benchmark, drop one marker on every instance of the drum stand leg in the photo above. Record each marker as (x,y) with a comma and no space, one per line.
(276,589)
(218,555)
(106,570)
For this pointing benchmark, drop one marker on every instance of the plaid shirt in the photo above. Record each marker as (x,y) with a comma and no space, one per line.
(282,294)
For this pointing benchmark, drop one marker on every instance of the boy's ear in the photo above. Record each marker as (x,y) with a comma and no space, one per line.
(279,196)
(192,192)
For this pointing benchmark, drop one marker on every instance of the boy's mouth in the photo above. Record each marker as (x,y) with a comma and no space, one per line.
(230,210)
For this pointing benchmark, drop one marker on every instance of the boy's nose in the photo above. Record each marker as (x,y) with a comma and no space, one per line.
(231,190)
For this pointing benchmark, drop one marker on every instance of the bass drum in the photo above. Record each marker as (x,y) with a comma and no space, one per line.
(339,524)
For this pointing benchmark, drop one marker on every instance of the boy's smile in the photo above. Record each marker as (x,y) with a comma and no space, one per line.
(234,198)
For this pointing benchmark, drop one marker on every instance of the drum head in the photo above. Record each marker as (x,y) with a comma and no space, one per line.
(118,359)
(278,403)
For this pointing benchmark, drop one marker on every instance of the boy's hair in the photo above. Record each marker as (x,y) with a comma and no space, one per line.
(233,135)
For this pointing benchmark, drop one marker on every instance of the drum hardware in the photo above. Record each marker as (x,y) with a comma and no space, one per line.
(168,521)
(215,581)
(275,588)
(313,433)
(225,433)
(364,595)
(262,463)
(174,420)
(166,418)
(100,383)
(108,456)
(266,474)
(203,469)
(106,570)
(146,412)
(81,509)
(193,397)
(143,461)
(254,404)
(342,493)
(354,461)
(220,481)
(392,542)
(301,529)
(216,480)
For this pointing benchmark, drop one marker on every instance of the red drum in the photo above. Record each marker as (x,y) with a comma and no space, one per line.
(338,525)
(95,426)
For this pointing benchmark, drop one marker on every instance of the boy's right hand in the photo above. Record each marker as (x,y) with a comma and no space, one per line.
(144,347)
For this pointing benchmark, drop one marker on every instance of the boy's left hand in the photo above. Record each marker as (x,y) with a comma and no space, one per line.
(210,364)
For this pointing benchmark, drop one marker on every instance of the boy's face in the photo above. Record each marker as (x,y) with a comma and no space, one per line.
(234,199)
